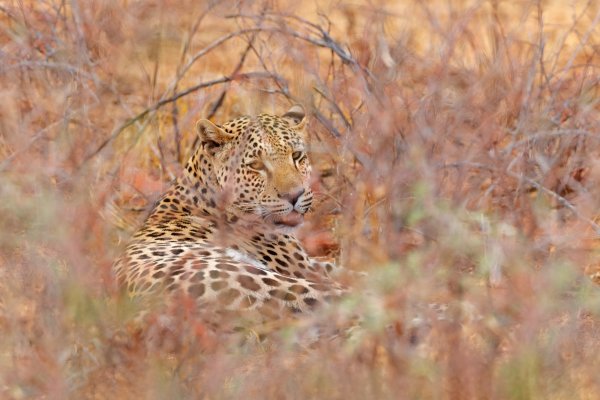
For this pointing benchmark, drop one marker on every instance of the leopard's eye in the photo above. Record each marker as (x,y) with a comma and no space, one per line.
(297,155)
(257,165)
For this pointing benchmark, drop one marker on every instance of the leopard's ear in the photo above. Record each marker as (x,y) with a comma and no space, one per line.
(296,117)
(211,135)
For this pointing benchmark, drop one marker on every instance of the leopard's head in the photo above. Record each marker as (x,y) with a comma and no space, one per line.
(260,164)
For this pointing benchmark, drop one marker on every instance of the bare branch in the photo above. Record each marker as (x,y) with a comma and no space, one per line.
(550,134)
(235,71)
(163,102)
(538,186)
(216,43)
(325,40)
(336,107)
(153,108)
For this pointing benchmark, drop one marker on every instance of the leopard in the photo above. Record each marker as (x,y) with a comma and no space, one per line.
(223,234)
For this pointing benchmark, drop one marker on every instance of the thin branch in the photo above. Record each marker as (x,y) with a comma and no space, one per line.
(177,96)
(154,108)
(550,134)
(175,111)
(325,40)
(37,136)
(335,106)
(214,44)
(327,124)
(235,71)
(541,188)
(8,13)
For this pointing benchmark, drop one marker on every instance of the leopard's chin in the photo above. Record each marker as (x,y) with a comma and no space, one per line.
(292,219)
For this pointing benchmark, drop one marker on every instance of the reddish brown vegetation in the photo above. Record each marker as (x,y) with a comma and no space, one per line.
(457,145)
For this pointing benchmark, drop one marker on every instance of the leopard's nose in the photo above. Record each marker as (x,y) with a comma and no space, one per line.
(293,195)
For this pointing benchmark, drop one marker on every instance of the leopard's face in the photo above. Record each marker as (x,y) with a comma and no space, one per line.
(262,164)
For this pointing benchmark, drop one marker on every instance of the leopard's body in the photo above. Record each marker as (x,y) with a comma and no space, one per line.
(222,234)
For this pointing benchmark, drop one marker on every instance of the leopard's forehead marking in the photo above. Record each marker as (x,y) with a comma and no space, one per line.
(237,125)
(265,133)
(279,132)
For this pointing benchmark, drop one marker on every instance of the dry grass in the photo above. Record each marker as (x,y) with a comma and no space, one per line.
(457,144)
